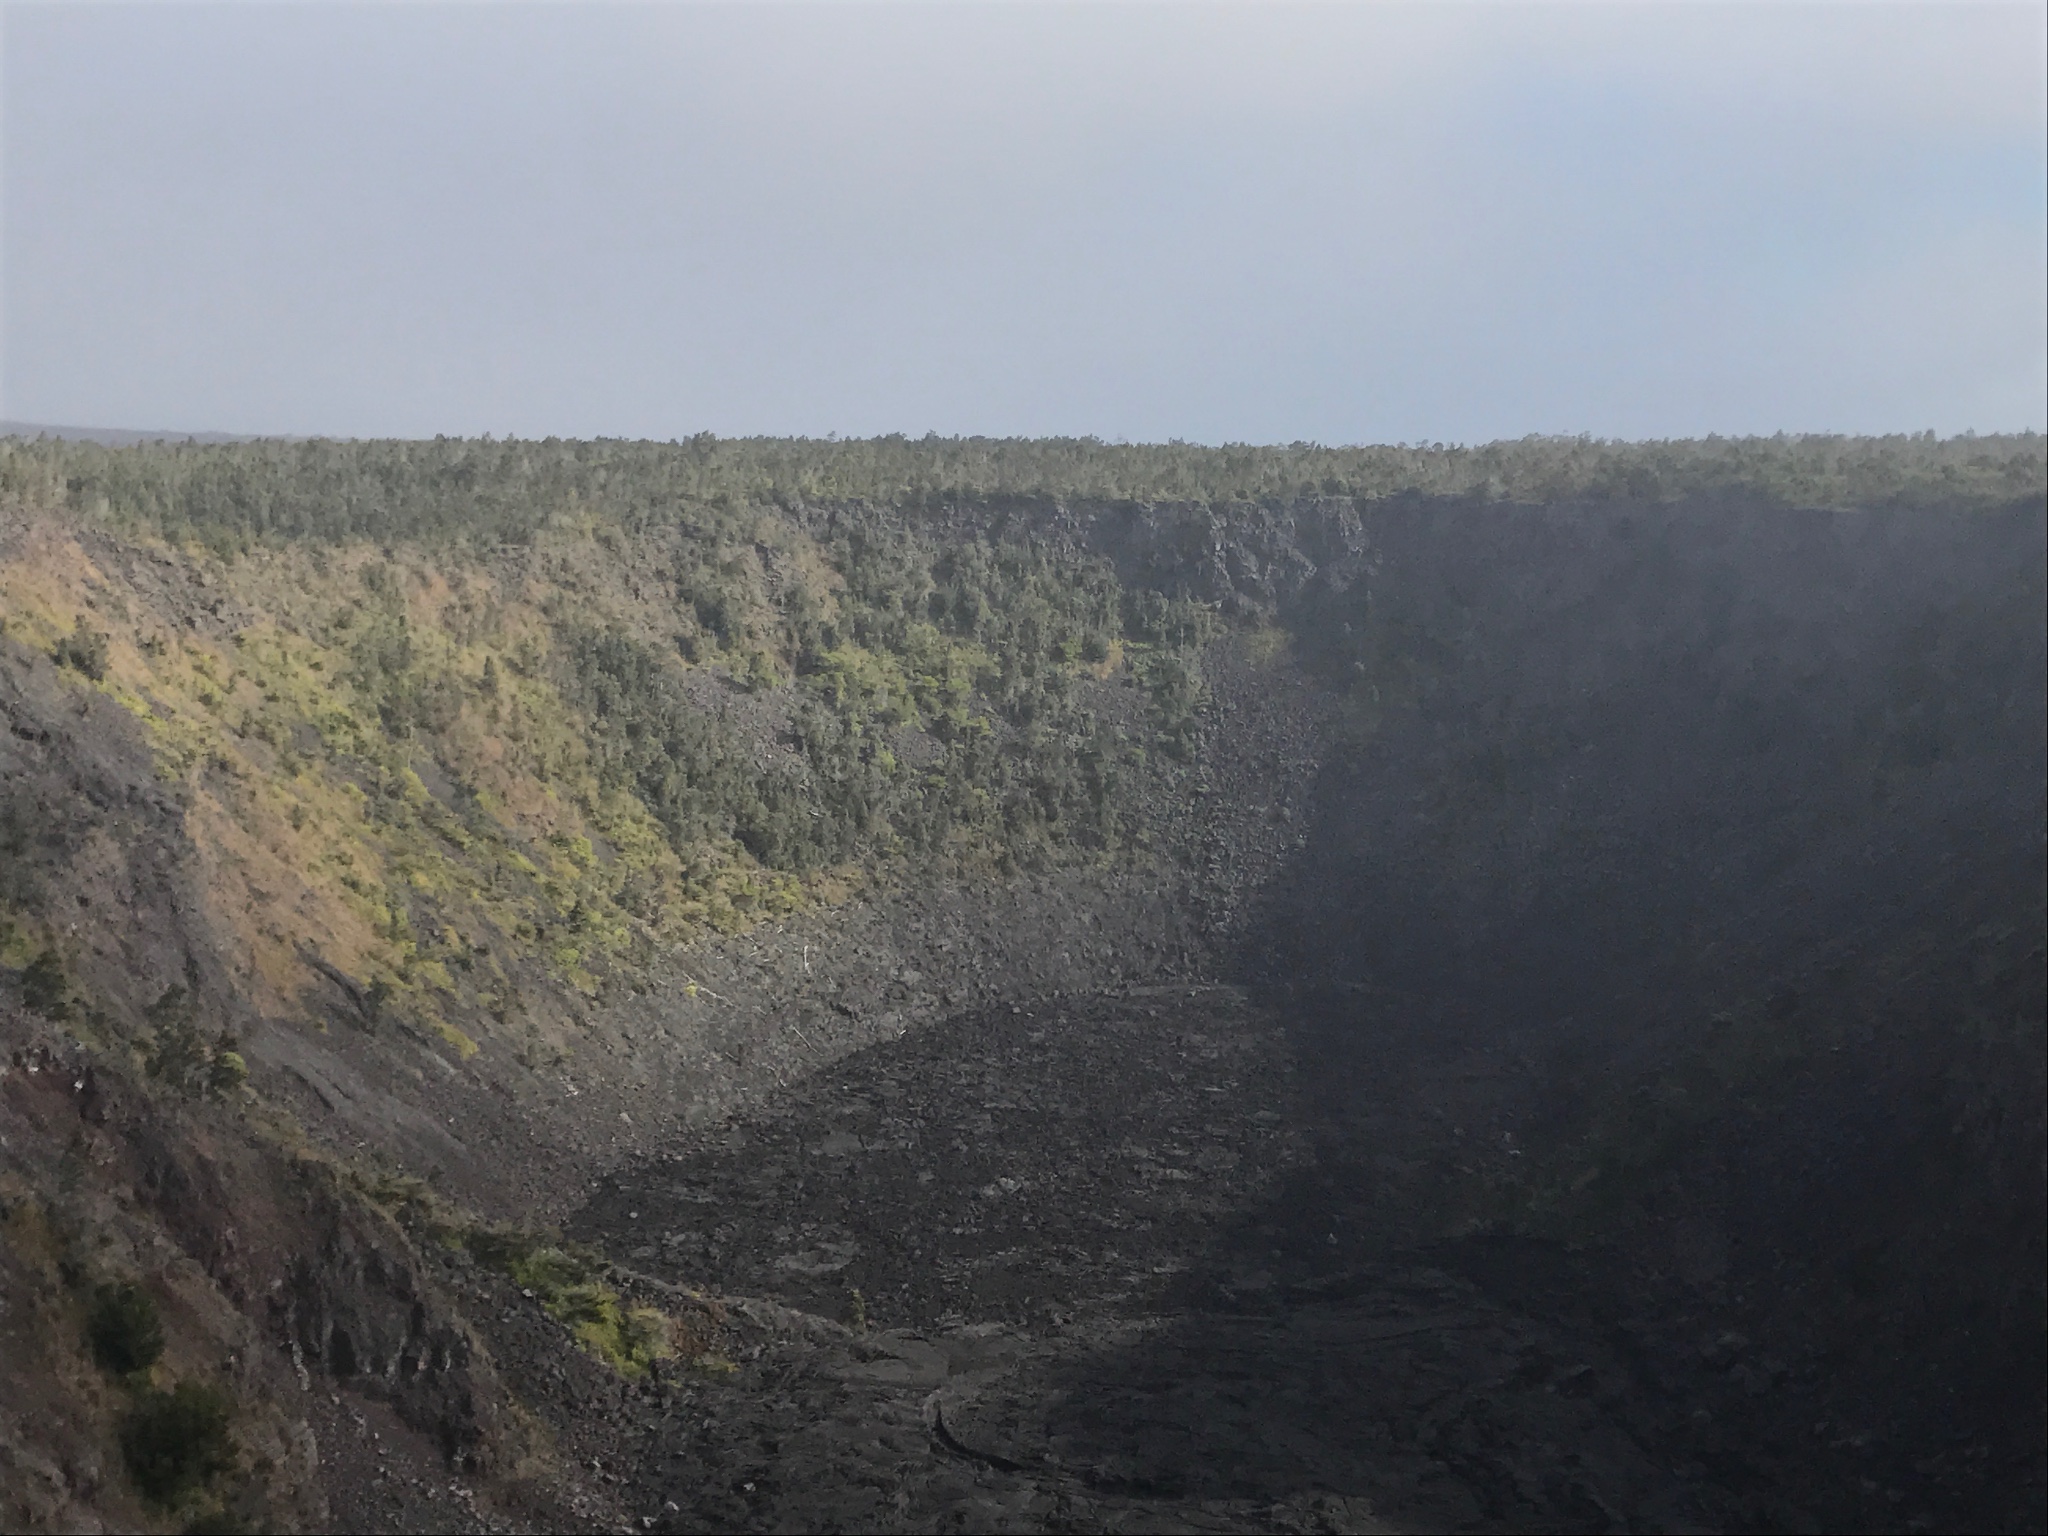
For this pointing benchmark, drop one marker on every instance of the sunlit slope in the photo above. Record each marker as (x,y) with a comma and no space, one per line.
(453,774)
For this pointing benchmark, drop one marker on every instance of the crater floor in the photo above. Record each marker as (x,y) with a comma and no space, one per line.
(1146,1262)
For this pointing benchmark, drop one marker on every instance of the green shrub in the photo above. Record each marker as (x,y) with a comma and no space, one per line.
(45,989)
(173,1442)
(182,1056)
(83,650)
(229,1068)
(123,1328)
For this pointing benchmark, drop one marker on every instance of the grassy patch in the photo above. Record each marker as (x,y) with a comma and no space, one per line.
(567,1280)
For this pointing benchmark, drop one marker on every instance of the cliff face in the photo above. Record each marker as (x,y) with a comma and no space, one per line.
(1725,822)
(1727,825)
(367,904)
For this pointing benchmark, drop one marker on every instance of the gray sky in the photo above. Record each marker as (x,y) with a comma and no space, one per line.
(1215,222)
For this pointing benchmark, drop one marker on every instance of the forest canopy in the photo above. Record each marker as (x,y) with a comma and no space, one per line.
(224,495)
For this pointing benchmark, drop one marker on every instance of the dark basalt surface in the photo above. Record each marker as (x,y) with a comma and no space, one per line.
(1131,1262)
(1017,1166)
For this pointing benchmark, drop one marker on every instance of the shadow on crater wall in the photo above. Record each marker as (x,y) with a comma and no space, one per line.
(1672,923)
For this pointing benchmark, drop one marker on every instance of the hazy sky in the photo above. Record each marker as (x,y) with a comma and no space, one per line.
(1216,222)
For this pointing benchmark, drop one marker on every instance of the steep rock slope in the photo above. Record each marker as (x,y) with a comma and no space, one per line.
(1727,826)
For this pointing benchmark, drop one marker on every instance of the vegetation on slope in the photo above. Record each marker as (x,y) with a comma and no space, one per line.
(470,715)
(476,713)
(455,772)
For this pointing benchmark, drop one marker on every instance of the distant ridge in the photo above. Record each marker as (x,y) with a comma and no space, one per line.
(118,437)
